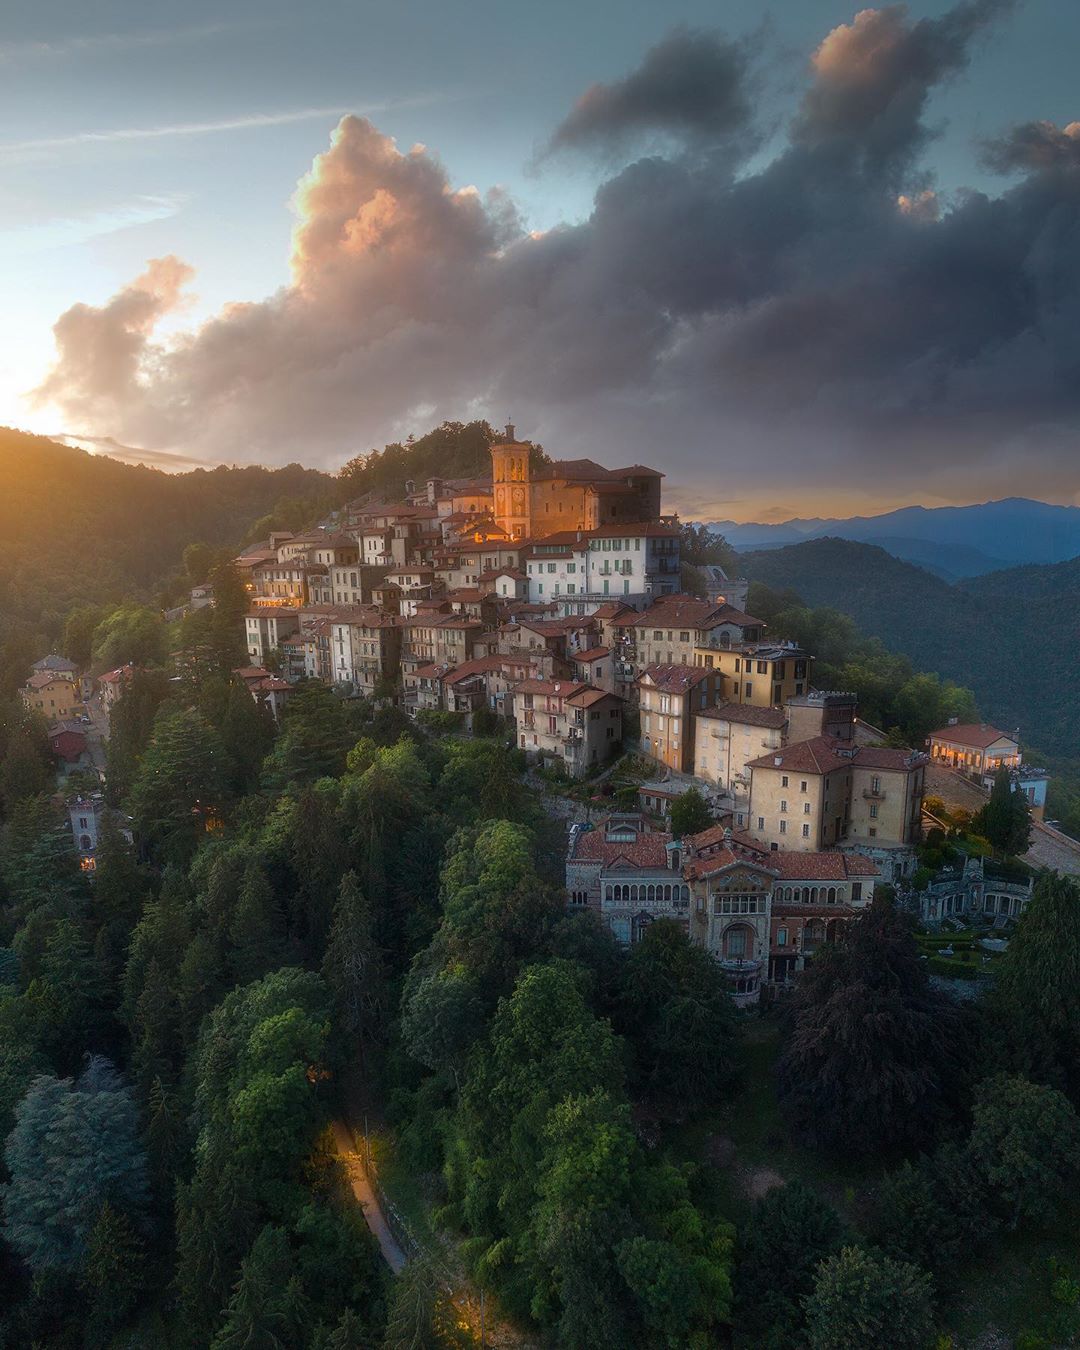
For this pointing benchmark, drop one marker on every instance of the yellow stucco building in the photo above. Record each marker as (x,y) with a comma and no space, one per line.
(533,500)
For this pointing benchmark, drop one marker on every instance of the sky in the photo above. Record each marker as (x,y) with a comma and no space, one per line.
(806,259)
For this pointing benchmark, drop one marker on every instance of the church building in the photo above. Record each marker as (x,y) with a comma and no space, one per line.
(533,500)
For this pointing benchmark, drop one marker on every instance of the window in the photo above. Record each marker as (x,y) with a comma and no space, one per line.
(761,822)
(806,831)
(873,810)
(802,786)
(551,567)
(856,890)
(783,807)
(875,784)
(684,637)
(873,832)
(735,942)
(763,667)
(806,808)
(783,827)
(781,937)
(749,690)
(783,781)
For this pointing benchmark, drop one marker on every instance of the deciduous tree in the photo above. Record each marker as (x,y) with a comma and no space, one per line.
(870,1302)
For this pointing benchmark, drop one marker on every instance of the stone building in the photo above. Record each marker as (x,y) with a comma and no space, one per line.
(534,499)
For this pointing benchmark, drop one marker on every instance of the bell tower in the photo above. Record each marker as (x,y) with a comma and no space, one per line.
(510,484)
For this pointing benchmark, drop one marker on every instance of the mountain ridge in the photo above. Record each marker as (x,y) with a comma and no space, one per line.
(956,540)
(1012,636)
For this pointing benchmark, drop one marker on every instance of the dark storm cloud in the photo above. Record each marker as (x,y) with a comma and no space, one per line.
(874,75)
(828,314)
(1036,145)
(693,86)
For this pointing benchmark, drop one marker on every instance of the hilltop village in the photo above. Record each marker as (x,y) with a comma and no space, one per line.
(481,789)
(548,596)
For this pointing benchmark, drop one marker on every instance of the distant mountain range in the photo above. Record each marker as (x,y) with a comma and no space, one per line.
(951,541)
(1011,636)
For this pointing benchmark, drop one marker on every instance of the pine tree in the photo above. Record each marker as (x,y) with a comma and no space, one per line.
(112,1274)
(353,967)
(70,993)
(1036,997)
(257,930)
(262,1311)
(1005,820)
(74,1145)
(120,889)
(690,814)
(179,785)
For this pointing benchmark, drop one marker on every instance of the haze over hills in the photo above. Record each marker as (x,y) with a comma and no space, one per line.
(1011,636)
(953,541)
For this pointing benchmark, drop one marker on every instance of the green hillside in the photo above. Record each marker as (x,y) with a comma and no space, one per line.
(1013,637)
(78,527)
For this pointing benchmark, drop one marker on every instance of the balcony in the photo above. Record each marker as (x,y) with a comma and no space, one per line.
(874,794)
(738,965)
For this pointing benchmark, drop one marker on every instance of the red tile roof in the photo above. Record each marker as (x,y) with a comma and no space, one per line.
(593,654)
(978,737)
(824,754)
(649,849)
(556,688)
(588,697)
(828,866)
(746,714)
(674,679)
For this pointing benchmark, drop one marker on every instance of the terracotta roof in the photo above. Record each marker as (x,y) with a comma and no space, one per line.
(829,866)
(720,858)
(367,616)
(674,679)
(978,737)
(588,697)
(720,834)
(574,470)
(685,611)
(514,572)
(746,714)
(44,678)
(649,849)
(593,654)
(824,754)
(443,621)
(610,609)
(817,756)
(556,688)
(115,676)
(480,665)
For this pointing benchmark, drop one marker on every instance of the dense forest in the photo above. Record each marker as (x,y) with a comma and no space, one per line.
(348,915)
(1010,636)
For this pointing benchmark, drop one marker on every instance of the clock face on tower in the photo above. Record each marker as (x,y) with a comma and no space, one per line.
(519,501)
